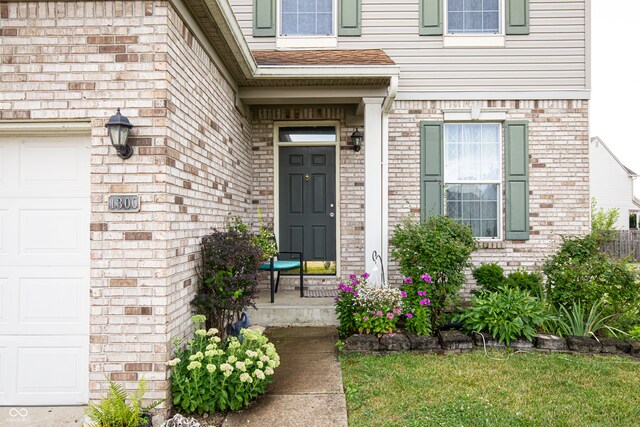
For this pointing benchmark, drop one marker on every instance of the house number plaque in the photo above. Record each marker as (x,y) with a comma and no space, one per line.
(124,203)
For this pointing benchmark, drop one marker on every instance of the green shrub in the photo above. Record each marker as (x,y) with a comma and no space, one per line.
(115,411)
(507,314)
(228,276)
(211,374)
(440,247)
(603,222)
(634,332)
(489,277)
(417,319)
(526,281)
(581,273)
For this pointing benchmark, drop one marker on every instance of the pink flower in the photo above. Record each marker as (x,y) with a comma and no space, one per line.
(365,276)
(336,299)
(403,293)
(390,315)
(365,318)
(408,280)
(379,313)
(409,315)
(426,277)
(355,294)
(422,293)
(397,311)
(426,302)
(353,277)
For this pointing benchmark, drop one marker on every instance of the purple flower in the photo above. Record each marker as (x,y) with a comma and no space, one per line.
(336,299)
(408,280)
(355,294)
(390,316)
(426,277)
(354,283)
(422,293)
(379,313)
(409,315)
(365,276)
(426,302)
(353,277)
(403,293)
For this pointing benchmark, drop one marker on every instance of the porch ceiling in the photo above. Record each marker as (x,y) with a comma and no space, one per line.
(370,68)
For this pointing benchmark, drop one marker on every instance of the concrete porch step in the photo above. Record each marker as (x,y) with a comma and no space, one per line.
(291,310)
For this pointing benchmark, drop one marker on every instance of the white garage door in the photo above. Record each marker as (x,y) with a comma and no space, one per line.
(44,270)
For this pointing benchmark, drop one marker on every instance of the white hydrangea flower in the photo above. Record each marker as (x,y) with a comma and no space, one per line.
(174,362)
(241,366)
(259,364)
(194,365)
(210,353)
(258,374)
(201,332)
(226,374)
(268,371)
(211,368)
(232,359)
(215,339)
(219,352)
(211,347)
(248,362)
(264,358)
(251,353)
(271,363)
(212,331)
(245,378)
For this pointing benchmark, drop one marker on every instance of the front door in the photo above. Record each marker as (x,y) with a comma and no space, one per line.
(308,205)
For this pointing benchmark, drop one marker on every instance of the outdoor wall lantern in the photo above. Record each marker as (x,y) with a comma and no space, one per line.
(356,138)
(119,127)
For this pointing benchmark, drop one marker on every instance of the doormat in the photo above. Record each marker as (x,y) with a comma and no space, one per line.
(320,293)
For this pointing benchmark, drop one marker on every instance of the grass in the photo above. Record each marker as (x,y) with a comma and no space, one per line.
(473,390)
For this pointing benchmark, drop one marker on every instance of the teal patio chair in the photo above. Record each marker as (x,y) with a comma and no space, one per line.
(277,265)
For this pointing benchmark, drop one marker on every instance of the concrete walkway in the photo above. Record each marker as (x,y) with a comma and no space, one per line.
(307,386)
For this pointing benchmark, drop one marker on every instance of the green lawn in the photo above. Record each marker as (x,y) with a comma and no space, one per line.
(473,390)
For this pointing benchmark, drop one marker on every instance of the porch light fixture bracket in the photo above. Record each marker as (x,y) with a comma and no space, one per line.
(119,127)
(356,139)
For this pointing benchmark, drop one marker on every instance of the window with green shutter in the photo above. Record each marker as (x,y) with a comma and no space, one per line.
(461,168)
(264,18)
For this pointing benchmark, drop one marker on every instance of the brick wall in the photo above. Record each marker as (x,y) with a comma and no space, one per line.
(558,170)
(351,181)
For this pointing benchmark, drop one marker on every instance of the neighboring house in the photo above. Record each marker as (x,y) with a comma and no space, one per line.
(475,109)
(611,182)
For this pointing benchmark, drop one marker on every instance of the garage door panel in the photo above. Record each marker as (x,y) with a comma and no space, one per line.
(4,301)
(47,371)
(49,231)
(4,373)
(54,305)
(49,165)
(4,232)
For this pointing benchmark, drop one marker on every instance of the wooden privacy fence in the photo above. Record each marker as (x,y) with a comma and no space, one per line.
(623,244)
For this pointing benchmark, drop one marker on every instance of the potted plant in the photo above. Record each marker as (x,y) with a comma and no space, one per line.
(114,411)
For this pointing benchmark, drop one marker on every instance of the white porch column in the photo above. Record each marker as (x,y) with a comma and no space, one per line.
(373,209)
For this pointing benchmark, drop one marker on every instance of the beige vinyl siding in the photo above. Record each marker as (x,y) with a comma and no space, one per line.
(552,57)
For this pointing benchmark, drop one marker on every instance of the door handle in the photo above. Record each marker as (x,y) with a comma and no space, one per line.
(332,214)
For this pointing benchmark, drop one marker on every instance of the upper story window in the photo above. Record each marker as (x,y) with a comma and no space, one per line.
(473,17)
(307,18)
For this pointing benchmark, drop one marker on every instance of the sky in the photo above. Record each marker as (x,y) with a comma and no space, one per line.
(615,67)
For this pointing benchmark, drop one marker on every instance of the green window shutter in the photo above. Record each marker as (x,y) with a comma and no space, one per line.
(431,169)
(516,153)
(349,18)
(264,18)
(431,17)
(517,17)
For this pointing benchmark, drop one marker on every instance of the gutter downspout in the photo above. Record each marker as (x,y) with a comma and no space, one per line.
(387,105)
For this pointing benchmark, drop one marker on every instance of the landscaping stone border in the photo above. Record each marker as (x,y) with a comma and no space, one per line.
(453,341)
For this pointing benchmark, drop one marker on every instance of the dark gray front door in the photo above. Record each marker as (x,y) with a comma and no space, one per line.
(308,202)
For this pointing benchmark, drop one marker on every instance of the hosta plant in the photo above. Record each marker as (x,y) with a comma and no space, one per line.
(507,314)
(210,374)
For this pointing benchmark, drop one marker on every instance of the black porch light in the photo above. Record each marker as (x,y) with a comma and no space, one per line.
(356,138)
(119,127)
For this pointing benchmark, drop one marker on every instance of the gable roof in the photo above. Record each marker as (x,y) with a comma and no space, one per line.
(626,169)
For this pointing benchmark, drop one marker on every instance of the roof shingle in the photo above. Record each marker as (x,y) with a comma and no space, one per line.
(322,57)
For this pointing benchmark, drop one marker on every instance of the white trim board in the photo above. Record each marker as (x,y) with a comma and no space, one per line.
(492,96)
(45,127)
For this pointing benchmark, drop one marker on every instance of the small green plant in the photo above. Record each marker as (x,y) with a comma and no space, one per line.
(489,277)
(440,247)
(417,305)
(210,374)
(265,239)
(634,333)
(603,222)
(507,314)
(526,281)
(578,322)
(115,411)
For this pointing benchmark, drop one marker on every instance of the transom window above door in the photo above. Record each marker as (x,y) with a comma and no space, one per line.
(307,134)
(473,16)
(307,18)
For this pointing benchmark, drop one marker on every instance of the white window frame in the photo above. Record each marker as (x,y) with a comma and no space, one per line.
(475,39)
(499,182)
(306,42)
